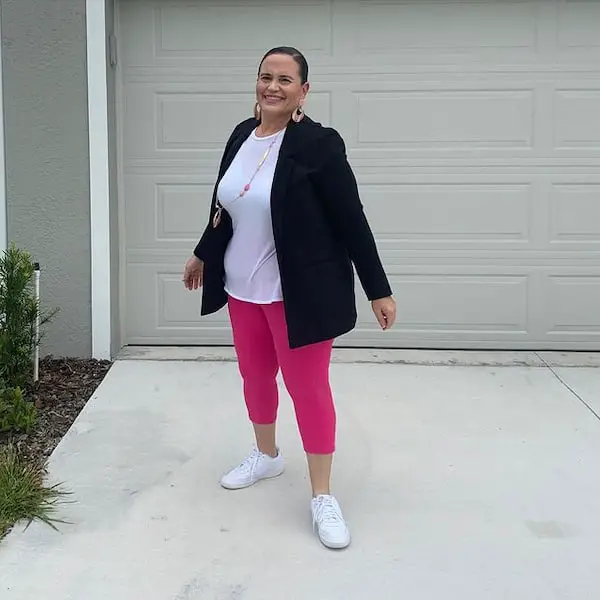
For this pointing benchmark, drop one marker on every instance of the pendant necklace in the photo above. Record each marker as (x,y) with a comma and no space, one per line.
(246,188)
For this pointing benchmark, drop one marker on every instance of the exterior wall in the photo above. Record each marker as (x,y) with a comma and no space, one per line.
(47,168)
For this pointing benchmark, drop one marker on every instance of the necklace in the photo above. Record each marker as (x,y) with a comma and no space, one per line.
(246,188)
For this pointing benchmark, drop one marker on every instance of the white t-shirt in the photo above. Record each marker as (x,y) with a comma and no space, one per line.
(251,268)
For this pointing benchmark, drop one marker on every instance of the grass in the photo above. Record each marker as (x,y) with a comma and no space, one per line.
(23,494)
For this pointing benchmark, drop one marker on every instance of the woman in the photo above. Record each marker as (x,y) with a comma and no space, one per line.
(286,225)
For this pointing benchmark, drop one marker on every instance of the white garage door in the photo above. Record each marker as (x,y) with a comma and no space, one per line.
(473,128)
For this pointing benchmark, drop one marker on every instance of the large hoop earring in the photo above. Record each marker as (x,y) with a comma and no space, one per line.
(257,111)
(298,114)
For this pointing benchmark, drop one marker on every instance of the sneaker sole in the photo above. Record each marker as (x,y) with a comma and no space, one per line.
(330,545)
(334,546)
(247,485)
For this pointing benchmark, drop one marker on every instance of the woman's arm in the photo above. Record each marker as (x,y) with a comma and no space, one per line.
(338,189)
(199,250)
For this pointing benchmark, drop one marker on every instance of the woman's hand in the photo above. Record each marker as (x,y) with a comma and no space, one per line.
(385,312)
(193,273)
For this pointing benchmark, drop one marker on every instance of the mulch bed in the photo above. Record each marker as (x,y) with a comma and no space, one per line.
(62,391)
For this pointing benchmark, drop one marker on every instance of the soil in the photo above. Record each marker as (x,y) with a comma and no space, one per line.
(62,391)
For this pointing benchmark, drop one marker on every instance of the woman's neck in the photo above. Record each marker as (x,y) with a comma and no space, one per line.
(269,127)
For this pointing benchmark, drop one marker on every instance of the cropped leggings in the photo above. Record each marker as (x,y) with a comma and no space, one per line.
(262,348)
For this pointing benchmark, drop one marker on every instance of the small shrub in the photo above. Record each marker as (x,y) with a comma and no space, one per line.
(19,311)
(23,495)
(17,414)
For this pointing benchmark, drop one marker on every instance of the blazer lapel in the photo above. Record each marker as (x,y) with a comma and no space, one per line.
(235,146)
(281,176)
(291,141)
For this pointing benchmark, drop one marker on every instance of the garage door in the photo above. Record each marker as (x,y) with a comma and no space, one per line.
(472,127)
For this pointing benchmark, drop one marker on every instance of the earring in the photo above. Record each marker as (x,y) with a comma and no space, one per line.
(257,111)
(298,114)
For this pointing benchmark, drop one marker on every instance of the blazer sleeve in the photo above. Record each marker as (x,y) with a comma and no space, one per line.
(336,184)
(200,251)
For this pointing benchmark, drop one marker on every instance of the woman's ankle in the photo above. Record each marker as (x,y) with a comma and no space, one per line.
(271,451)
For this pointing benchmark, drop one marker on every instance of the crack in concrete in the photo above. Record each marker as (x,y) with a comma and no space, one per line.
(567,386)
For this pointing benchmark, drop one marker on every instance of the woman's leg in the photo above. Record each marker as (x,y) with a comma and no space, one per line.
(306,374)
(257,361)
(319,468)
(258,365)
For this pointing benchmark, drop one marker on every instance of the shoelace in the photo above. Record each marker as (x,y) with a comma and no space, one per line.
(250,462)
(328,512)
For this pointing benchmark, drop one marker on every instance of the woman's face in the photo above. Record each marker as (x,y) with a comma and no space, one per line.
(279,88)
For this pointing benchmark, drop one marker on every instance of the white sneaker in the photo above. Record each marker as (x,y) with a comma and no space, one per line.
(255,467)
(329,523)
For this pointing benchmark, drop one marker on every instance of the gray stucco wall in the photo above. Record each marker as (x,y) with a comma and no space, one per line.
(45,104)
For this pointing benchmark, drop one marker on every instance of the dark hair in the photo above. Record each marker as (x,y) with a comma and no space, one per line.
(295,54)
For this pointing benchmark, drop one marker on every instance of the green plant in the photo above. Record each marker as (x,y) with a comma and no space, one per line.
(19,313)
(23,494)
(16,413)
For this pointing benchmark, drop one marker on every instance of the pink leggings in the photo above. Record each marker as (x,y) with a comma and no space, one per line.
(261,343)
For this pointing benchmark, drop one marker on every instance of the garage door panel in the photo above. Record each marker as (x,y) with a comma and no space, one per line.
(578,24)
(573,304)
(478,119)
(173,31)
(190,123)
(451,299)
(176,311)
(577,119)
(182,122)
(449,306)
(166,122)
(575,215)
(425,213)
(165,212)
(136,32)
(425,24)
(449,119)
(181,211)
(178,24)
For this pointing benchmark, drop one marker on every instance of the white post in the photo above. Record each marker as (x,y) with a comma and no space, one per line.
(36,360)
(99,177)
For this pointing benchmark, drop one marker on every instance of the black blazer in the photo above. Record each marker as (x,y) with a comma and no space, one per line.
(320,231)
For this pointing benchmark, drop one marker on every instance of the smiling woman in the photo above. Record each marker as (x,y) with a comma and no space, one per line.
(286,227)
(282,86)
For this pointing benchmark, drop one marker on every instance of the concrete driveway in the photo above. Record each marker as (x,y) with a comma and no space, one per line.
(458,482)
